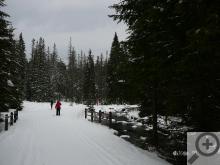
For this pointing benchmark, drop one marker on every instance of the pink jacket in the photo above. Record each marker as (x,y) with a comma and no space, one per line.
(58,105)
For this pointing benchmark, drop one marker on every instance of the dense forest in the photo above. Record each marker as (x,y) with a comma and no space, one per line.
(169,64)
(174,58)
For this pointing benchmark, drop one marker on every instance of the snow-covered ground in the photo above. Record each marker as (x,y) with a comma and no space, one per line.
(41,138)
(129,111)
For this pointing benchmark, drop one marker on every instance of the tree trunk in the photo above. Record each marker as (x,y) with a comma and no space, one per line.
(155,112)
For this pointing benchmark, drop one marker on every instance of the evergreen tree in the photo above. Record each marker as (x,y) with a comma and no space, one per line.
(115,73)
(100,79)
(200,61)
(39,73)
(4,62)
(17,72)
(173,55)
(28,92)
(72,74)
(80,75)
(104,79)
(31,76)
(150,49)
(21,58)
(9,95)
(89,81)
(54,74)
(62,79)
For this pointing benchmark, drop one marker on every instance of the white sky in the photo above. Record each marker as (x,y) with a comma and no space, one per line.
(86,21)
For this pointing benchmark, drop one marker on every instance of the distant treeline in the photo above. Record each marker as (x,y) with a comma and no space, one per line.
(81,80)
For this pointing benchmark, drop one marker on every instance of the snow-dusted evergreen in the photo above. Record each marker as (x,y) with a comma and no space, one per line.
(39,76)
(72,74)
(12,65)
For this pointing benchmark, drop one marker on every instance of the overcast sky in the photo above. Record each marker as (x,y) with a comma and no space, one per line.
(86,21)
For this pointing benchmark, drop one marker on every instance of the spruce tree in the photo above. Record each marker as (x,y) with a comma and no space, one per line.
(31,75)
(21,58)
(17,72)
(80,75)
(173,55)
(89,81)
(98,84)
(62,79)
(150,47)
(200,61)
(100,78)
(9,95)
(39,73)
(54,74)
(72,74)
(115,73)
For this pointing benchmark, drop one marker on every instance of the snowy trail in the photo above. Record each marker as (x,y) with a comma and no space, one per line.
(41,138)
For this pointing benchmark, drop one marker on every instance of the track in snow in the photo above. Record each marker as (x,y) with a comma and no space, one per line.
(41,138)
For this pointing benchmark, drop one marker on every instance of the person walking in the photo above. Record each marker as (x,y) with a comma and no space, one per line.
(51,104)
(58,107)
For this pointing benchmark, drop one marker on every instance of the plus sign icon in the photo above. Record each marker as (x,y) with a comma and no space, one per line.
(203,148)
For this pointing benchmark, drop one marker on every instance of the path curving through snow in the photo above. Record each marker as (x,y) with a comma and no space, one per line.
(41,138)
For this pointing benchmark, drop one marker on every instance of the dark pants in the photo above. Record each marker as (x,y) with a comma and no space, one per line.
(58,111)
(51,104)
